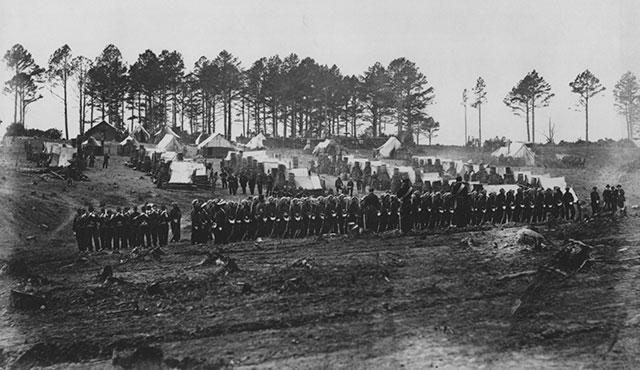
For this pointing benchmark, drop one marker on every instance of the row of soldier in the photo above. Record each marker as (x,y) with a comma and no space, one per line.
(458,206)
(122,228)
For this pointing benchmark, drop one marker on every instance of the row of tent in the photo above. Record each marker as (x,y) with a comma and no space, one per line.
(332,147)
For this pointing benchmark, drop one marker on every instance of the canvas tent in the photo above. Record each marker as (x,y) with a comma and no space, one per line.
(182,172)
(103,131)
(128,145)
(162,133)
(388,149)
(61,156)
(304,180)
(256,142)
(200,138)
(517,150)
(140,134)
(327,147)
(215,146)
(169,143)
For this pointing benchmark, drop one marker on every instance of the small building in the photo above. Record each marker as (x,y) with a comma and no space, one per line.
(215,146)
(103,131)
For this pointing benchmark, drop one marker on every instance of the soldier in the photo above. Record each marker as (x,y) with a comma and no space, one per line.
(223,179)
(349,189)
(79,229)
(460,191)
(163,226)
(220,226)
(606,197)
(549,203)
(539,211)
(492,208)
(371,204)
(528,206)
(518,204)
(404,194)
(106,229)
(131,228)
(338,185)
(242,179)
(92,159)
(119,233)
(144,229)
(260,178)
(269,183)
(175,215)
(93,222)
(595,200)
(252,181)
(501,205)
(154,224)
(567,201)
(558,209)
(196,222)
(510,206)
(620,200)
(233,184)
(105,162)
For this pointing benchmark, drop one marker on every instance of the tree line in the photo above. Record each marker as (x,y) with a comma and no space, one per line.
(289,97)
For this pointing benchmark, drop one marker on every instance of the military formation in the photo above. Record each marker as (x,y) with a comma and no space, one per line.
(223,221)
(122,228)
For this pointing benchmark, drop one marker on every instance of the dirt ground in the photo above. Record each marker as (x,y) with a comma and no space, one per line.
(427,300)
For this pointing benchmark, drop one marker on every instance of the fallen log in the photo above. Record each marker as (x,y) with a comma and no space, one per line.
(517,275)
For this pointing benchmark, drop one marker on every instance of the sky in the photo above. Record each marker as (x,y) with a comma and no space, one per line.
(451,42)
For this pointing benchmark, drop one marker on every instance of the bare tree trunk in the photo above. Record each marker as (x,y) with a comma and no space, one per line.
(533,122)
(480,126)
(466,135)
(586,119)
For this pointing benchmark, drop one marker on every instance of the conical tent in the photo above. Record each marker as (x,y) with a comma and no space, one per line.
(215,146)
(256,142)
(169,144)
(517,150)
(388,149)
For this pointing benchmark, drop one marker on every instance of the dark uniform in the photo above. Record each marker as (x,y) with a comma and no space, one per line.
(595,201)
(175,216)
(371,204)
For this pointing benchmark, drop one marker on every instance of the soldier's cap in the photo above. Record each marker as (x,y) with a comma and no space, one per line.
(194,202)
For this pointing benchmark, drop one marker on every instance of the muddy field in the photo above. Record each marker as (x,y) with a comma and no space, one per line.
(428,300)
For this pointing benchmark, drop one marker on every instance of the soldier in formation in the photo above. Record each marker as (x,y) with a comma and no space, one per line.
(114,230)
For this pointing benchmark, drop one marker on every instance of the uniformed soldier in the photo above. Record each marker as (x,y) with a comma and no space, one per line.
(154,224)
(404,195)
(621,199)
(144,229)
(595,200)
(92,225)
(606,197)
(567,201)
(252,181)
(79,229)
(119,232)
(196,222)
(371,204)
(163,226)
(175,215)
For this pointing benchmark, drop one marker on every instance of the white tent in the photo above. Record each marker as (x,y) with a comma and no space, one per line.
(304,180)
(517,150)
(256,142)
(169,143)
(200,138)
(328,146)
(61,156)
(181,172)
(216,141)
(141,133)
(168,156)
(129,139)
(388,149)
